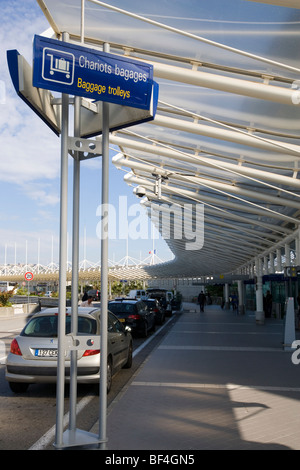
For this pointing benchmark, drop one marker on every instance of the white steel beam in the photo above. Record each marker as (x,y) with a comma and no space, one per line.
(211,226)
(204,161)
(241,138)
(272,231)
(204,182)
(227,84)
(130,178)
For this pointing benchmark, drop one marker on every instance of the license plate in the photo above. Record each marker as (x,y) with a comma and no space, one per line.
(122,319)
(46,352)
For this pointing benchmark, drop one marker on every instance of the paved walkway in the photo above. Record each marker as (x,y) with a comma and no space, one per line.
(216,381)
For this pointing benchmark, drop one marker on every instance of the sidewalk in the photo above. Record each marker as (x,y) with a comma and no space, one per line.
(216,381)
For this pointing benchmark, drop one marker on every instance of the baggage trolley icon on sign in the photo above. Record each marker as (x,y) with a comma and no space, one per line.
(61,65)
(58,66)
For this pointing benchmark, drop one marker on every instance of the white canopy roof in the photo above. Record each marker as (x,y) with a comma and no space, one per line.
(226,133)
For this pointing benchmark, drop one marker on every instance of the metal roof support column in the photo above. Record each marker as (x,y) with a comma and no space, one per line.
(271,268)
(265,266)
(297,248)
(226,295)
(259,313)
(241,306)
(287,254)
(278,256)
(297,262)
(250,270)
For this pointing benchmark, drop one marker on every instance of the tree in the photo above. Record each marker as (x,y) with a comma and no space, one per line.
(123,288)
(5,298)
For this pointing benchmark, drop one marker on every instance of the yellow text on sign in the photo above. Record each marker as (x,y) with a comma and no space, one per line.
(102,89)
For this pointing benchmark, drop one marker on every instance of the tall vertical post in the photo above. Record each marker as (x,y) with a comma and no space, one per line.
(226,295)
(104,273)
(75,267)
(279,263)
(272,267)
(60,389)
(241,306)
(287,252)
(297,246)
(75,251)
(82,22)
(259,313)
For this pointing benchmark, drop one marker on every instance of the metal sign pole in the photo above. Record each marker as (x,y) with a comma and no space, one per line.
(104,273)
(62,269)
(75,254)
(75,267)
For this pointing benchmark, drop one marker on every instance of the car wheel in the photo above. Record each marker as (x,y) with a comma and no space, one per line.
(128,364)
(109,375)
(18,387)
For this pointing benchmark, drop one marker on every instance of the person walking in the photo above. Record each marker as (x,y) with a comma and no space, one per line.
(88,302)
(201,301)
(268,304)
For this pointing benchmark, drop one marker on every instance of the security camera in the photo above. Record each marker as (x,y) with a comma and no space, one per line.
(139,191)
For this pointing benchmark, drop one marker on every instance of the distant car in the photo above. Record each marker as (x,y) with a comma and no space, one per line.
(137,294)
(48,293)
(164,297)
(33,354)
(135,314)
(154,305)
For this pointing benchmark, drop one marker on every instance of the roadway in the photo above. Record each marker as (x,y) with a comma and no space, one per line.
(28,420)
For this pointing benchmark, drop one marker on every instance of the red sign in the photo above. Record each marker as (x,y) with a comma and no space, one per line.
(29,276)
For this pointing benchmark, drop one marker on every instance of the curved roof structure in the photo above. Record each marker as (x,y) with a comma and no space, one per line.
(218,168)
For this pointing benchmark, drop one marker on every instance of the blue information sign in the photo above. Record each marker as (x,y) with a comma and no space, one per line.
(77,70)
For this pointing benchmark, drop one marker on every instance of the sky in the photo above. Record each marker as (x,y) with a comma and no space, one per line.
(30,172)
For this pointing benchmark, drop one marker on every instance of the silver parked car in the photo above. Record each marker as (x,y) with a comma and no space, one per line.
(33,354)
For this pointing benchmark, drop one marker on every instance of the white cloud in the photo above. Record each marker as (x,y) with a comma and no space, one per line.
(29,150)
(42,197)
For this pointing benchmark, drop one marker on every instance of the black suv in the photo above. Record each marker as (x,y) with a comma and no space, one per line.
(135,314)
(154,305)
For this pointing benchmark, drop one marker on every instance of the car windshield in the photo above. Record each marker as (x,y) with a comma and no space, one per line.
(46,326)
(120,307)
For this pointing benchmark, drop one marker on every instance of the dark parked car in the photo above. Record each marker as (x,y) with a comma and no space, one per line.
(135,314)
(154,305)
(164,298)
